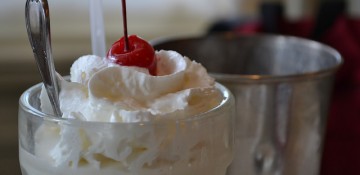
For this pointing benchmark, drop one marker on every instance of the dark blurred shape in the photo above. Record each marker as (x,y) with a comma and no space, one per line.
(226,25)
(326,16)
(271,15)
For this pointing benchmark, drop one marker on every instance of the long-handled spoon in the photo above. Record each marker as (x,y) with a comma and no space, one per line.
(38,28)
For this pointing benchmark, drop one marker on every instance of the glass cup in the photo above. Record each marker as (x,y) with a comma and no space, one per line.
(201,144)
(282,86)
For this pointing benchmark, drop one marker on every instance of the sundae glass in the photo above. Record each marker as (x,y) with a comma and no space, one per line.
(136,111)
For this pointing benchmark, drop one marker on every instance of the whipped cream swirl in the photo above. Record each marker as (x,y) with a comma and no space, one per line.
(103,91)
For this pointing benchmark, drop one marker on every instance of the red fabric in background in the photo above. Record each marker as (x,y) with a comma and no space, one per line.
(342,141)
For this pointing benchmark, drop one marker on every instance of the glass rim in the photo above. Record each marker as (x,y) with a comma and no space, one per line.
(25,105)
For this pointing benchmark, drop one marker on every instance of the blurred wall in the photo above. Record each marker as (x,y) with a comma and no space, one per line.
(250,7)
(149,19)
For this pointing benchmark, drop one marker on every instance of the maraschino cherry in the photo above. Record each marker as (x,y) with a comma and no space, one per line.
(132,50)
(140,53)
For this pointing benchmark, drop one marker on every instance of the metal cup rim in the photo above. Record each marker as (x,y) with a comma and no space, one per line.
(248,78)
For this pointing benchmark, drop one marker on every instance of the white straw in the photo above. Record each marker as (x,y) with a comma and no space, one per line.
(97,28)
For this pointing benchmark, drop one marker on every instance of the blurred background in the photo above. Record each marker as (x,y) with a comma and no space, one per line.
(333,22)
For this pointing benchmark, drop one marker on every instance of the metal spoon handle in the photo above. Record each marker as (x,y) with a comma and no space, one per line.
(38,28)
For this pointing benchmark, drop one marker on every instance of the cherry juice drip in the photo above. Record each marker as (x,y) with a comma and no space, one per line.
(127,45)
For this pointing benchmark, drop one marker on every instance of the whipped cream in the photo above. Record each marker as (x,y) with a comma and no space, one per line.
(103,91)
(130,101)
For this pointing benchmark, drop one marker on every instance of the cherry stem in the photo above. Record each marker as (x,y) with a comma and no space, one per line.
(127,45)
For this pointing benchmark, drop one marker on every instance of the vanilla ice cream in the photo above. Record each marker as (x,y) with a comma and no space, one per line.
(135,123)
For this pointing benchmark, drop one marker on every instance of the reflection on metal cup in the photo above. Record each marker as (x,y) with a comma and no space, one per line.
(282,87)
